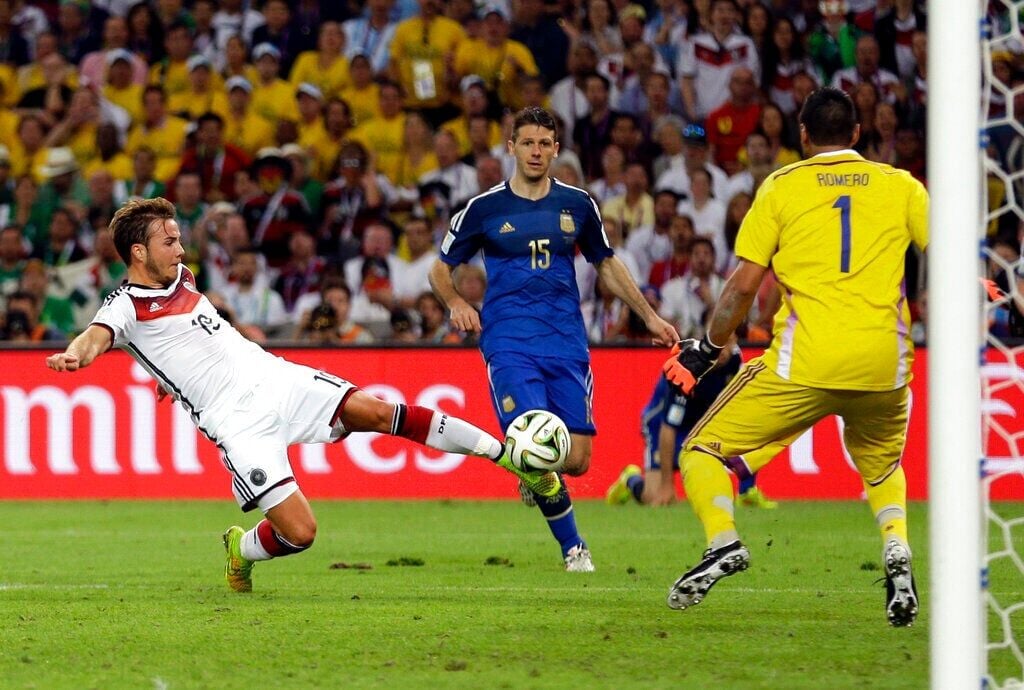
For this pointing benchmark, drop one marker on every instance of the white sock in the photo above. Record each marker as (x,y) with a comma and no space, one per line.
(252,549)
(454,435)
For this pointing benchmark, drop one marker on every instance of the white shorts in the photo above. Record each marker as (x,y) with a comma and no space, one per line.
(292,404)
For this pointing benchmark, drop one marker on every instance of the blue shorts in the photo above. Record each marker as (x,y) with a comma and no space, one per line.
(522,382)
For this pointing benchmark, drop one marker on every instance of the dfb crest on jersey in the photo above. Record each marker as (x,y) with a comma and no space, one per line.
(566,223)
(258,477)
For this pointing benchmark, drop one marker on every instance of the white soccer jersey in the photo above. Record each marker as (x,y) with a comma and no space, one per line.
(710,63)
(176,334)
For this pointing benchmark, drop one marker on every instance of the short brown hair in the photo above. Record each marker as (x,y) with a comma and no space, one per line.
(130,224)
(533,115)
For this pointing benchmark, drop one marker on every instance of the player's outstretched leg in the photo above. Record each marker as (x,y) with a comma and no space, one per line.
(558,512)
(437,430)
(629,484)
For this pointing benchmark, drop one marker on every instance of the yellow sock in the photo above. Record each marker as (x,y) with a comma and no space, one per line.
(888,502)
(709,490)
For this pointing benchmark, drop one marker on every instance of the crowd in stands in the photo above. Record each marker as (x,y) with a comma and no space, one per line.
(316,150)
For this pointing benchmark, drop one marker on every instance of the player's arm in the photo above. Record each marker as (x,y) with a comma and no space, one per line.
(463,315)
(615,276)
(666,448)
(90,344)
(692,359)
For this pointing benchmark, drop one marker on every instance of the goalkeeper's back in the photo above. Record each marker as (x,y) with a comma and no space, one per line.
(835,229)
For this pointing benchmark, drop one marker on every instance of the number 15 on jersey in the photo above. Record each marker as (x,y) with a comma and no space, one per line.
(540,255)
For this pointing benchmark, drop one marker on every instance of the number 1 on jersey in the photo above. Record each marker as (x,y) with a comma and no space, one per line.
(540,255)
(843,204)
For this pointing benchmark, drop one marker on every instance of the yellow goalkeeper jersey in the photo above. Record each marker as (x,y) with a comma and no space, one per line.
(835,229)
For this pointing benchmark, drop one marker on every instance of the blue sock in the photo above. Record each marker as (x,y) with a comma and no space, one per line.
(636,485)
(561,521)
(747,483)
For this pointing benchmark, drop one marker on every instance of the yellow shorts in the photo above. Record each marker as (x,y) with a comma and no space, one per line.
(758,413)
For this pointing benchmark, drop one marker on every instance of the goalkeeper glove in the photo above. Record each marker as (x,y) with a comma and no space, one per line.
(690,361)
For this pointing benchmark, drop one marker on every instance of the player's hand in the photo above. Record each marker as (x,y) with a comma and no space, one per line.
(161,392)
(691,359)
(62,361)
(465,317)
(664,496)
(664,332)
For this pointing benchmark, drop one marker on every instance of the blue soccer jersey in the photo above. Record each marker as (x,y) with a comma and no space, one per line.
(532,304)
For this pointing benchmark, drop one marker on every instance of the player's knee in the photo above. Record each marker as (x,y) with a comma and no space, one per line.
(302,534)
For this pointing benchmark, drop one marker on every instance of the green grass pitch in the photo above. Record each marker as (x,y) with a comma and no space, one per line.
(131,595)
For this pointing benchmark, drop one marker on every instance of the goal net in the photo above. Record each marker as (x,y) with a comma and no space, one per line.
(1001,232)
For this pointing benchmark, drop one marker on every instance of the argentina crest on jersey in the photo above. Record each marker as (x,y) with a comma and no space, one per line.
(566,222)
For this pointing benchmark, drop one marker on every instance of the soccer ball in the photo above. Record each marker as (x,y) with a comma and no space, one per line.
(538,440)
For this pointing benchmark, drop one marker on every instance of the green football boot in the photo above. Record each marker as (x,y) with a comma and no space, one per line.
(237,568)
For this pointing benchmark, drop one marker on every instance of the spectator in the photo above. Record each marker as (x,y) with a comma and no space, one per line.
(681,234)
(384,134)
(188,203)
(145,33)
(204,35)
(568,95)
(729,125)
(243,127)
(74,37)
(419,242)
(600,27)
(895,33)
(668,134)
(142,183)
(403,330)
(363,93)
(651,244)
(278,211)
(434,328)
(302,273)
(200,96)
(6,182)
(105,196)
(784,59)
(63,185)
(21,320)
(759,163)
(422,60)
(586,274)
(95,67)
(214,161)
(120,88)
(881,145)
(52,312)
(909,151)
(276,31)
(49,100)
(273,98)
(612,182)
(657,102)
(686,301)
(234,18)
(371,36)
(474,104)
(452,183)
(339,298)
(706,60)
(12,259)
(695,157)
(108,270)
(500,62)
(592,132)
(757,24)
(163,134)
(26,213)
(251,298)
(327,145)
(832,44)
(234,61)
(110,157)
(735,212)
(301,179)
(634,208)
(230,236)
(352,201)
(866,69)
(668,27)
(319,326)
(540,33)
(781,141)
(171,72)
(707,212)
(326,68)
(626,134)
(371,277)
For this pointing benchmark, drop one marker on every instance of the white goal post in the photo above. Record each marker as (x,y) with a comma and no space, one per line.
(955,337)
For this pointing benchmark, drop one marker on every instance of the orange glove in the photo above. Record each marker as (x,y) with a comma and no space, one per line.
(691,359)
